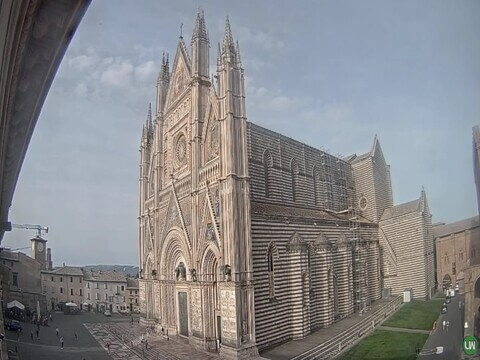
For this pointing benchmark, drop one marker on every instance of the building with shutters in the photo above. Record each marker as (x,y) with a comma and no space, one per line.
(247,237)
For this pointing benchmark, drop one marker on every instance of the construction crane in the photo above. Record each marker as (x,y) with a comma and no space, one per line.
(39,228)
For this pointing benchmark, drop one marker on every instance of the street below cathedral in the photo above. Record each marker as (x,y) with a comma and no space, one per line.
(450,337)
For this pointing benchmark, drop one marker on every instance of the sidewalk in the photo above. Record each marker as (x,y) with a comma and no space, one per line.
(296,347)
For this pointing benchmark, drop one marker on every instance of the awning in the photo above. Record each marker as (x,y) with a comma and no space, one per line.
(85,304)
(71,304)
(15,304)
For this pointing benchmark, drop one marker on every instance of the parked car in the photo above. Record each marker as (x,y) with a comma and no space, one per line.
(14,325)
(444,309)
(457,289)
(107,313)
(447,299)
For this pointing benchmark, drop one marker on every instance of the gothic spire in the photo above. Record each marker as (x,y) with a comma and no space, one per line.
(200,30)
(228,38)
(237,50)
(148,123)
(167,69)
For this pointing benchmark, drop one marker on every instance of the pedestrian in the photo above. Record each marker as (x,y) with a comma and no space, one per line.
(168,339)
(434,325)
(162,331)
(76,335)
(38,334)
(146,345)
(61,342)
(108,347)
(50,317)
(448,325)
(31,335)
(57,331)
(444,323)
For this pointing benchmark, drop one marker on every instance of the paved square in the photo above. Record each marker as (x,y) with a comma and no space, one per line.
(94,332)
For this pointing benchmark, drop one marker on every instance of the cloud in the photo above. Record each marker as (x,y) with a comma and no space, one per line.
(81,89)
(118,74)
(83,62)
(146,71)
(259,38)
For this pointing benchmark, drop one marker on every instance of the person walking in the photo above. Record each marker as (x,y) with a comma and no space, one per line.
(50,317)
(57,331)
(448,325)
(444,323)
(76,335)
(31,335)
(108,347)
(38,334)
(61,342)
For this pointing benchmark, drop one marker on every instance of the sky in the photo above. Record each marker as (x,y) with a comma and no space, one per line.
(331,74)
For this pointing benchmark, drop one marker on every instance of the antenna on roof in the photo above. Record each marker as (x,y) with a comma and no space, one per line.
(181,31)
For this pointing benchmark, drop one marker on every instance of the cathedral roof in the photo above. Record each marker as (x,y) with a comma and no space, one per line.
(298,212)
(455,227)
(401,209)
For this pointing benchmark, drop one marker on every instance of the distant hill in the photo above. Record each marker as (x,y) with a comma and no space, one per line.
(129,270)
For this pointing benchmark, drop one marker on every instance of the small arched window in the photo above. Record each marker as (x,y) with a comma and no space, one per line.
(294,172)
(316,185)
(267,168)
(271,274)
(272,253)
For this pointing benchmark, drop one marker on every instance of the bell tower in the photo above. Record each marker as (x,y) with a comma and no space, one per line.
(39,250)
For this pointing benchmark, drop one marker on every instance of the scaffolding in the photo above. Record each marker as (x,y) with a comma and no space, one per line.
(358,262)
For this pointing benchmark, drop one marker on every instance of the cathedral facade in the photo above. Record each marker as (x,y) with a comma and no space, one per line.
(247,237)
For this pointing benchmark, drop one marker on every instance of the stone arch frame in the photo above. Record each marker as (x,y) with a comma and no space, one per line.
(209,253)
(267,159)
(446,279)
(149,266)
(294,171)
(174,249)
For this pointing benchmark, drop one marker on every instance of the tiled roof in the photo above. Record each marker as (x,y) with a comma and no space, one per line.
(401,209)
(455,227)
(132,283)
(67,270)
(93,275)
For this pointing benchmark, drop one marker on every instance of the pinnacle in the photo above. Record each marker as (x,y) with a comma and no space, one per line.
(200,30)
(228,38)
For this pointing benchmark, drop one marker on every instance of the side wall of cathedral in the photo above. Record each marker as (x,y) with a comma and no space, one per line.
(304,253)
(372,182)
(406,238)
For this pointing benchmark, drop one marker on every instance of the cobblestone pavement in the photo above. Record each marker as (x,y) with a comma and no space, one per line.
(125,341)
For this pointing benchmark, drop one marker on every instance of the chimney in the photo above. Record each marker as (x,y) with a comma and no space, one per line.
(49,259)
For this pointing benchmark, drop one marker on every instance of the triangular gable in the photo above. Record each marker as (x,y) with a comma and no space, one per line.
(211,139)
(180,77)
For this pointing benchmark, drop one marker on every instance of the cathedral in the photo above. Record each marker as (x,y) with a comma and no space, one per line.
(247,237)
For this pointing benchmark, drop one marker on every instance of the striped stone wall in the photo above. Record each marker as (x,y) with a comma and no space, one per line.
(372,181)
(409,238)
(309,252)
(286,171)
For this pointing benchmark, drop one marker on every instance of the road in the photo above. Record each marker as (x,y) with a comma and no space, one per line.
(451,340)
